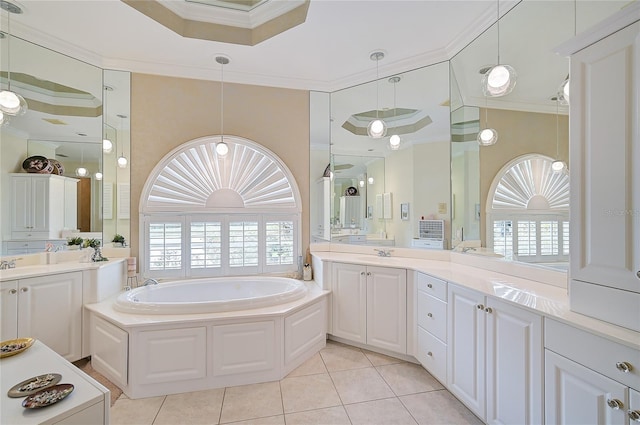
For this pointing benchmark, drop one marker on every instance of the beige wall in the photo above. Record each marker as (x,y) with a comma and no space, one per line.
(519,133)
(167,112)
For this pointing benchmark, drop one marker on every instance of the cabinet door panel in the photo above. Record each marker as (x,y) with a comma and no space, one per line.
(8,310)
(22,208)
(349,298)
(466,343)
(387,308)
(575,394)
(50,310)
(514,365)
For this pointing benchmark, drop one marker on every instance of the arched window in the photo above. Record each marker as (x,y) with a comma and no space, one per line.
(528,211)
(203,214)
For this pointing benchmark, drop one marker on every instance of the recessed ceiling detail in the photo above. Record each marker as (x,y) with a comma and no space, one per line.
(237,22)
(398,120)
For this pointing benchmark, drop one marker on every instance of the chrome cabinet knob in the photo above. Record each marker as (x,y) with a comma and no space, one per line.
(431,286)
(13,291)
(624,367)
(24,289)
(634,415)
(429,315)
(488,310)
(429,353)
(361,273)
(638,274)
(615,404)
(368,273)
(480,307)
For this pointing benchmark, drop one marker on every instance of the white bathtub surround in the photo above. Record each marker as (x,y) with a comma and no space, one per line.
(210,295)
(157,354)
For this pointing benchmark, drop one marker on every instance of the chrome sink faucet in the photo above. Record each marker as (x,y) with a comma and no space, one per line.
(383,252)
(10,264)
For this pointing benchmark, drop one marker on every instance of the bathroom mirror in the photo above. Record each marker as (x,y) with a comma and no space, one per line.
(64,122)
(415,105)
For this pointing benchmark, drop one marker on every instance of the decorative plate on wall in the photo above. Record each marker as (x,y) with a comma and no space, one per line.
(351,191)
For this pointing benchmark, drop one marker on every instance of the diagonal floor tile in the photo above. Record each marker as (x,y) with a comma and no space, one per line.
(330,415)
(201,407)
(378,359)
(358,385)
(344,358)
(408,378)
(311,367)
(438,407)
(301,393)
(383,412)
(269,420)
(251,401)
(141,411)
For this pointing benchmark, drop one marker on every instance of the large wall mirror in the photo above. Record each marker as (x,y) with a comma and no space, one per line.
(379,195)
(65,124)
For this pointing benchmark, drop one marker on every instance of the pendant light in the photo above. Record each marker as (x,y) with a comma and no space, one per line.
(98,175)
(122,160)
(81,171)
(377,128)
(499,80)
(107,145)
(394,140)
(222,149)
(487,136)
(558,166)
(11,103)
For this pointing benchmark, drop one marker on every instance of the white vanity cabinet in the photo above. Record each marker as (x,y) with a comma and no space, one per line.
(589,379)
(604,169)
(431,315)
(47,308)
(494,357)
(39,203)
(369,305)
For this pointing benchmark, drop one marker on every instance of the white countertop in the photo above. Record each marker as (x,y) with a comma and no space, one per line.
(22,272)
(39,360)
(547,300)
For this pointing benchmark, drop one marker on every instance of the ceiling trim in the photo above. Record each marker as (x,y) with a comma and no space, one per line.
(226,33)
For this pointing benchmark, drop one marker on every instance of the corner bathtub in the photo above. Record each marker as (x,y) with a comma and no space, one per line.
(210,295)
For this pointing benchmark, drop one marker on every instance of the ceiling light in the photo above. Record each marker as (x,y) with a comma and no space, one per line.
(377,128)
(222,149)
(487,137)
(122,160)
(500,79)
(394,140)
(361,183)
(11,103)
(558,166)
(81,172)
(370,180)
(107,146)
(98,175)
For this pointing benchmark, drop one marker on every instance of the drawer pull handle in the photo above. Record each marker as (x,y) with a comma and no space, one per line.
(634,415)
(429,353)
(431,286)
(13,291)
(480,307)
(429,315)
(624,367)
(615,404)
(24,289)
(488,310)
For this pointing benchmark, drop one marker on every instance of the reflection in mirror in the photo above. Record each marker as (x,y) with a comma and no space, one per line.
(529,121)
(63,126)
(116,178)
(319,159)
(415,106)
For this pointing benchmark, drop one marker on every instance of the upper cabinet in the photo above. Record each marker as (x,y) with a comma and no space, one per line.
(605,153)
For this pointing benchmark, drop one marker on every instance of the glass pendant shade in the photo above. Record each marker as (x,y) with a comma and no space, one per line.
(377,128)
(558,166)
(222,148)
(370,180)
(361,183)
(11,103)
(487,137)
(394,142)
(122,162)
(82,172)
(499,81)
(98,175)
(107,146)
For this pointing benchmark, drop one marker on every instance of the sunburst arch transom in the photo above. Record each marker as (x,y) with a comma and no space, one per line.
(528,183)
(193,177)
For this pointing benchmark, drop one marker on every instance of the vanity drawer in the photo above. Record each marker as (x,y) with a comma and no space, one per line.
(432,354)
(432,286)
(432,315)
(595,352)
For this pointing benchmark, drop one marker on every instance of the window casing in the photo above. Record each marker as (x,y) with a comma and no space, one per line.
(237,215)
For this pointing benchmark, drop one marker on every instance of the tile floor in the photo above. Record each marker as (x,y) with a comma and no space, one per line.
(339,385)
